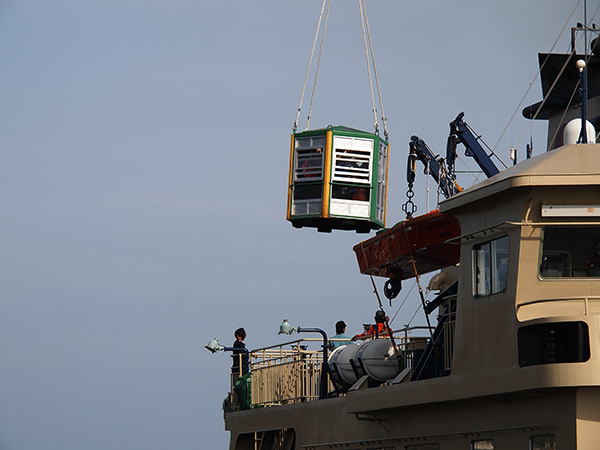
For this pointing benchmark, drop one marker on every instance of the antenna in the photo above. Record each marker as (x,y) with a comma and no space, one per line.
(583,134)
(581,65)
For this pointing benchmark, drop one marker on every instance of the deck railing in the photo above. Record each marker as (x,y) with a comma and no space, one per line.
(281,376)
(291,372)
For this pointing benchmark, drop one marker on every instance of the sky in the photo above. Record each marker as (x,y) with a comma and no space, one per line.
(143,175)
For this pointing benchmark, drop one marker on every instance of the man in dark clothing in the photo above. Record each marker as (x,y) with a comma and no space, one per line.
(240,335)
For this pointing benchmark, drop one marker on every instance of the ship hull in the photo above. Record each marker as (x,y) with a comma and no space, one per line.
(559,418)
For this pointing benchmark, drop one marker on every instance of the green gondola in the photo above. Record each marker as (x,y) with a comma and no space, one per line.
(338,180)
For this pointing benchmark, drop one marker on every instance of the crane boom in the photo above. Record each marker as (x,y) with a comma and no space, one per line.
(434,165)
(459,130)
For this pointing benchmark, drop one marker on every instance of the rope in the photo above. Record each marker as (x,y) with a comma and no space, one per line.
(312,97)
(383,118)
(403,302)
(427,172)
(413,316)
(536,75)
(487,146)
(387,320)
(412,260)
(551,143)
(543,102)
(312,53)
(362,20)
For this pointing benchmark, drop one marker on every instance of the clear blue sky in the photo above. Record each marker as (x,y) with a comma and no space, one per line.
(143,172)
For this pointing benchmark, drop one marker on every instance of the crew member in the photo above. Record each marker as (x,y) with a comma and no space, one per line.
(240,355)
(375,330)
(340,329)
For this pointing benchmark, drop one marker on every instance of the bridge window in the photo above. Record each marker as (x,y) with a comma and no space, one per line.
(542,442)
(483,444)
(490,267)
(570,252)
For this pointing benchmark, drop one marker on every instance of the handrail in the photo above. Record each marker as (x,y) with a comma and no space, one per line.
(559,299)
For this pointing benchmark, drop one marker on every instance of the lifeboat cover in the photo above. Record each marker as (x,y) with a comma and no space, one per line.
(428,239)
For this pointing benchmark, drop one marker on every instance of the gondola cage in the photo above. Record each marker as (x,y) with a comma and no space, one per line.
(338,180)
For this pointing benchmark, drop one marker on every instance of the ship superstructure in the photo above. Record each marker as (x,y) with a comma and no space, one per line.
(513,361)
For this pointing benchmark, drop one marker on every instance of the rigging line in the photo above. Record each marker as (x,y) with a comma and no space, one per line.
(476,173)
(566,109)
(362,20)
(439,186)
(487,146)
(427,172)
(414,265)
(571,54)
(312,97)
(543,102)
(387,319)
(413,316)
(563,68)
(383,118)
(403,301)
(536,75)
(312,53)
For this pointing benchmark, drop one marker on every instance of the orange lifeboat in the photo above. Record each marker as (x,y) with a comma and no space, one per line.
(428,240)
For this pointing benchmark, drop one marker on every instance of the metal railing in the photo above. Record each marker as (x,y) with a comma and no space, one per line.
(281,376)
(291,372)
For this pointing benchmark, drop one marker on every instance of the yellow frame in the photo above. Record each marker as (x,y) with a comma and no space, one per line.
(327,175)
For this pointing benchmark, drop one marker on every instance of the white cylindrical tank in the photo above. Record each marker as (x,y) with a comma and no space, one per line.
(573,129)
(378,360)
(340,366)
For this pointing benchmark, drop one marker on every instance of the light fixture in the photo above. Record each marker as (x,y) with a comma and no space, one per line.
(213,346)
(286,328)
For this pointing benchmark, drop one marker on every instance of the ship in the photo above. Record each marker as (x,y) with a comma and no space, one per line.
(511,359)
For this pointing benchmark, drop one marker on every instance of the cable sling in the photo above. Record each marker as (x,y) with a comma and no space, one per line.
(312,52)
(312,97)
(383,118)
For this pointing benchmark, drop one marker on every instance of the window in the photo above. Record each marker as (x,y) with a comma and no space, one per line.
(357,193)
(309,164)
(351,160)
(570,252)
(552,343)
(308,191)
(352,165)
(482,444)
(490,267)
(542,442)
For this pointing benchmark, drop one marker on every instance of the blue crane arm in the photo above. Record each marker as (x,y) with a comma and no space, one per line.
(459,128)
(436,166)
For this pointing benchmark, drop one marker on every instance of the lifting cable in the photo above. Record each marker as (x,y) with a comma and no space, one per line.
(367,36)
(368,50)
(312,52)
(312,97)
